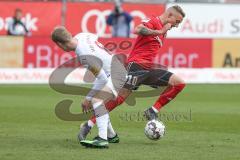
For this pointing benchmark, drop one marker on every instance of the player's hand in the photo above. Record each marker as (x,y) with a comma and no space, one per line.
(164,30)
(86,105)
(167,26)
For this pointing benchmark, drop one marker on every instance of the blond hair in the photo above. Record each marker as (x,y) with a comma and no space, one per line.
(61,34)
(179,10)
(176,9)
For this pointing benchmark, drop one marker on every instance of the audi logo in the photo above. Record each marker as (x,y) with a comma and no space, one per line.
(100,24)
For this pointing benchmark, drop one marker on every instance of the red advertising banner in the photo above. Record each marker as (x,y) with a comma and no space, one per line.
(91,17)
(189,53)
(40,18)
(43,53)
(118,45)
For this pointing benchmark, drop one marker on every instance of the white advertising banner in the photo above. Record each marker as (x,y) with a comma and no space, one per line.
(209,75)
(41,76)
(36,76)
(208,21)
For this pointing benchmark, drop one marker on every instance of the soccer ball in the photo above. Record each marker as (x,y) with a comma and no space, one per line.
(154,130)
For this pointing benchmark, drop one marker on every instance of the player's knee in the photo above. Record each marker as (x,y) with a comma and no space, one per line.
(122,96)
(175,81)
(120,100)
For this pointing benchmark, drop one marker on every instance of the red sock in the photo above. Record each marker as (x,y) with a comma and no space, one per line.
(110,105)
(169,94)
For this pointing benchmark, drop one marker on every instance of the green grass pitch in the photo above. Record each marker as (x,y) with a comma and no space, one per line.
(203,123)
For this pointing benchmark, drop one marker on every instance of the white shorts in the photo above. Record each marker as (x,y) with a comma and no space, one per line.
(112,88)
(118,76)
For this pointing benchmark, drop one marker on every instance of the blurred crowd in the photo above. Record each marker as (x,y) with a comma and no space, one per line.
(119,21)
(16,26)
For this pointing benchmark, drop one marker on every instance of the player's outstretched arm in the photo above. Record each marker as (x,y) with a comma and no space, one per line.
(99,83)
(145,31)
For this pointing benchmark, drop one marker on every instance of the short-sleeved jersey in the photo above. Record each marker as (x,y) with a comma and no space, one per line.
(146,47)
(88,47)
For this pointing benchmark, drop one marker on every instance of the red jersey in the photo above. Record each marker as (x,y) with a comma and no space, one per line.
(147,47)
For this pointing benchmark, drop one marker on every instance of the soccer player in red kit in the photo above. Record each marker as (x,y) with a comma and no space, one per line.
(152,33)
(141,69)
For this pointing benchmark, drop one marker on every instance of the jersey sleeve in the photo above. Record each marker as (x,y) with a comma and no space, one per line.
(150,23)
(98,84)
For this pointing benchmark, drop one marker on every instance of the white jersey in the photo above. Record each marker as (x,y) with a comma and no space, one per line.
(87,47)
(92,53)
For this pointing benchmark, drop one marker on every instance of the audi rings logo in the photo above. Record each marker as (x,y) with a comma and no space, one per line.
(100,24)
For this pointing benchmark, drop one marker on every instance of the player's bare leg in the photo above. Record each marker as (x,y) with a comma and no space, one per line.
(175,86)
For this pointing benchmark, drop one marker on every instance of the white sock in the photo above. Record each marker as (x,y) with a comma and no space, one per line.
(155,110)
(101,120)
(111,133)
(102,123)
(90,123)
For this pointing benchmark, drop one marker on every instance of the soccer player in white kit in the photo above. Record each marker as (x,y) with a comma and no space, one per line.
(92,55)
